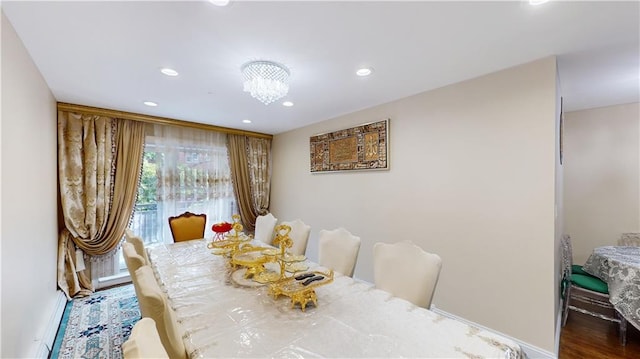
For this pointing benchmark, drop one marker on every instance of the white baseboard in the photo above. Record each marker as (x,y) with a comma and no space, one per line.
(117,279)
(42,345)
(531,351)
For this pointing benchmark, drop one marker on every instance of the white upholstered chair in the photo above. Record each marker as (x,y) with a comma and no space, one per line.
(264,228)
(153,304)
(144,342)
(299,236)
(338,250)
(131,258)
(406,271)
(138,244)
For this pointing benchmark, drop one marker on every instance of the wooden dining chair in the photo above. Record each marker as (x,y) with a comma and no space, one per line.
(299,236)
(264,228)
(144,342)
(338,250)
(586,289)
(406,271)
(153,304)
(187,226)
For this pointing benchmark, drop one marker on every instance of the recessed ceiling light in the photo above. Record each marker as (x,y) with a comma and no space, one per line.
(219,2)
(169,72)
(365,71)
(537,2)
(246,121)
(287,104)
(150,103)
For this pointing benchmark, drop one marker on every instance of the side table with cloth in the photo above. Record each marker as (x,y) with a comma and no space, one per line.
(353,319)
(620,268)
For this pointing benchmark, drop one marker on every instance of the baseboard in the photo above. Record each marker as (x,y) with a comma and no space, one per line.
(41,347)
(113,280)
(531,351)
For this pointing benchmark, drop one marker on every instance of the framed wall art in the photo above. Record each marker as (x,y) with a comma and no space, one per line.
(363,147)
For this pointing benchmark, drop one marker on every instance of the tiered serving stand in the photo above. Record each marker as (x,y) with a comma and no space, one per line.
(253,265)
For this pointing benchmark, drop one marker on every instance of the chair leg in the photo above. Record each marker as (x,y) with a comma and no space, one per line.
(565,305)
(623,329)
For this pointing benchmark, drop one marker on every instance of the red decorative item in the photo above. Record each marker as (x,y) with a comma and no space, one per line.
(220,229)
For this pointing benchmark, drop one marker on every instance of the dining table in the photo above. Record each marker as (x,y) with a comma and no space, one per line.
(619,267)
(224,314)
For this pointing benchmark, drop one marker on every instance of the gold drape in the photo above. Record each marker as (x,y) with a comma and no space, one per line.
(250,163)
(259,162)
(237,147)
(99,159)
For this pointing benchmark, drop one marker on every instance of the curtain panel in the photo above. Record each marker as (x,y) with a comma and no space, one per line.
(250,162)
(259,162)
(99,159)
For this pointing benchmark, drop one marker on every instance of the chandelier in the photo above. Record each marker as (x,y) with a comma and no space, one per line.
(266,81)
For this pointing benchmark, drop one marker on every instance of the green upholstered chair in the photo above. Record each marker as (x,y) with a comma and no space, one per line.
(580,287)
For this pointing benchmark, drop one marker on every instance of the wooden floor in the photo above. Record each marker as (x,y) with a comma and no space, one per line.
(587,337)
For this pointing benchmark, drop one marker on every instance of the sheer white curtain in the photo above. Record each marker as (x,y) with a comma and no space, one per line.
(192,168)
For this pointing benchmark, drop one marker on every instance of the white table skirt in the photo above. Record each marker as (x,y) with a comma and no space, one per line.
(352,320)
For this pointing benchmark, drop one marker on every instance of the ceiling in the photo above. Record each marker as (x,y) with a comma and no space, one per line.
(108,54)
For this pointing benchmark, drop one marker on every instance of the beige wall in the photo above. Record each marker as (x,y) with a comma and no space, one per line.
(29,215)
(472,178)
(602,179)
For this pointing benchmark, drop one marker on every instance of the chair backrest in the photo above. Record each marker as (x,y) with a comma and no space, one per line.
(299,235)
(567,256)
(187,226)
(264,228)
(153,304)
(338,250)
(144,342)
(138,244)
(131,258)
(629,240)
(406,271)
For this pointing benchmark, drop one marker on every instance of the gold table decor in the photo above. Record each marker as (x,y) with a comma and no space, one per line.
(252,258)
(232,241)
(301,291)
(276,255)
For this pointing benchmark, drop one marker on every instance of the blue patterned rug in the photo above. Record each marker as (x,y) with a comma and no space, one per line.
(95,327)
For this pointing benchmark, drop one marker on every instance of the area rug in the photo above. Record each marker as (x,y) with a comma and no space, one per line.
(95,327)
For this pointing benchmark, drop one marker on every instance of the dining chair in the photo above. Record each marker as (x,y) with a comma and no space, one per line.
(264,228)
(338,250)
(131,258)
(406,271)
(153,304)
(629,240)
(187,226)
(299,236)
(138,244)
(586,289)
(144,342)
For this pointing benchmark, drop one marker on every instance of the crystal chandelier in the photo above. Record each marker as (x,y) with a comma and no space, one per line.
(267,81)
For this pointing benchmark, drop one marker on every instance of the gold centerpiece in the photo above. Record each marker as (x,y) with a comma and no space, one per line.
(232,241)
(251,258)
(301,288)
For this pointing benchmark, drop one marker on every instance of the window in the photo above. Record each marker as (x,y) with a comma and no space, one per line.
(183,170)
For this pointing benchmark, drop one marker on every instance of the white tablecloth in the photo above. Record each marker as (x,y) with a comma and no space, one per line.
(352,319)
(620,268)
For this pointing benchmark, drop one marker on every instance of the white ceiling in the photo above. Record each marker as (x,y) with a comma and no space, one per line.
(108,54)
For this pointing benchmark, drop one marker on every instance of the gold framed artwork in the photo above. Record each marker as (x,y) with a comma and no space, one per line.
(363,147)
